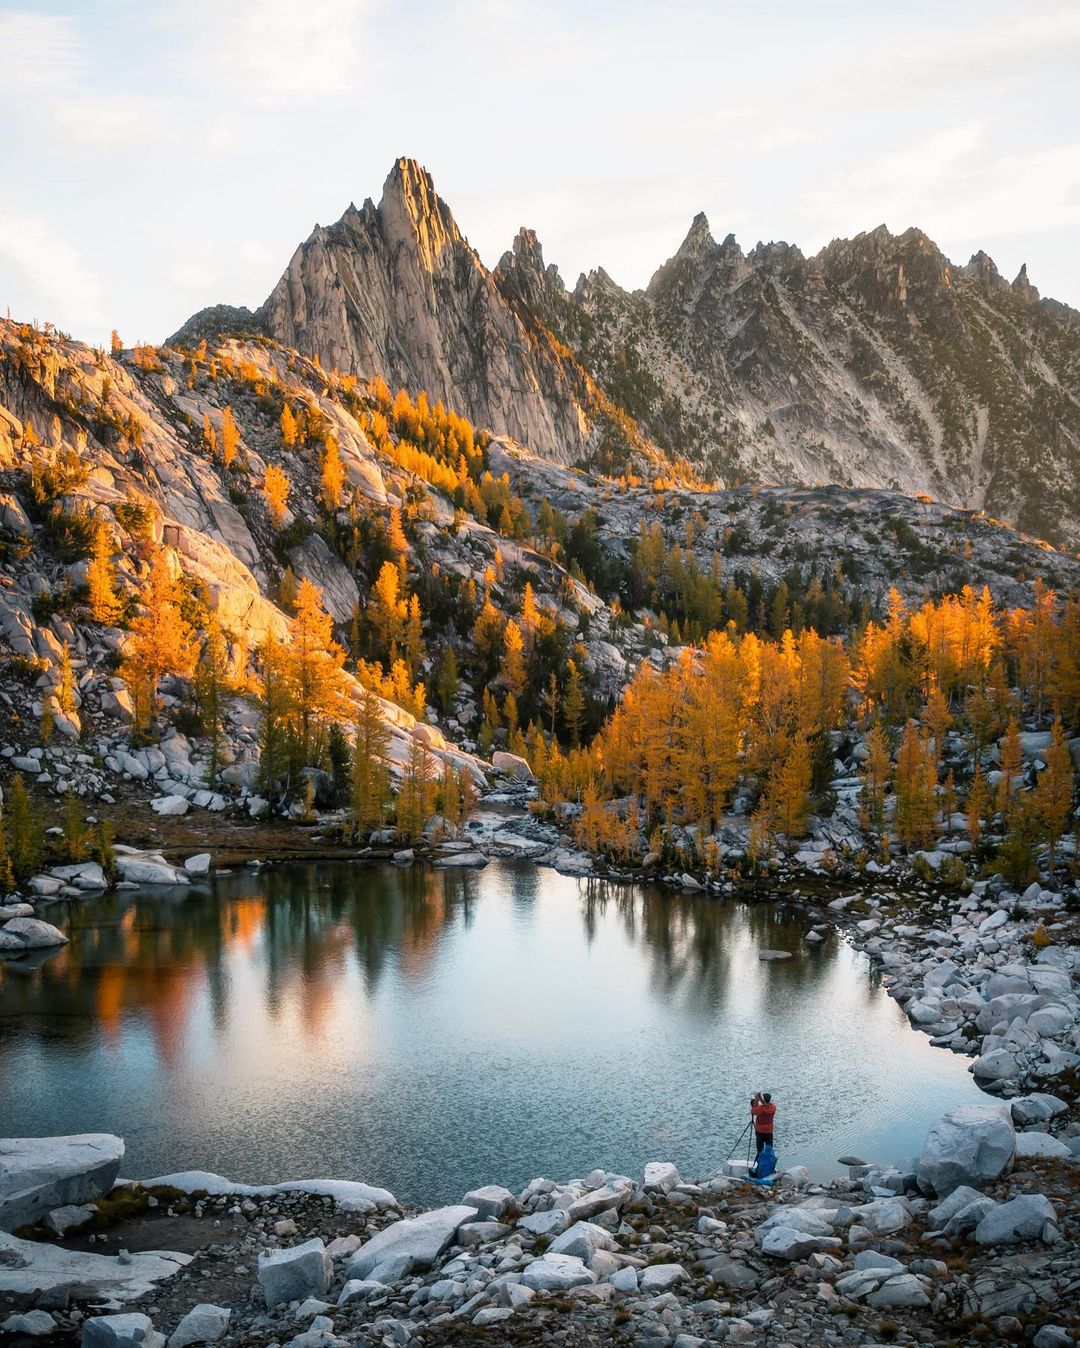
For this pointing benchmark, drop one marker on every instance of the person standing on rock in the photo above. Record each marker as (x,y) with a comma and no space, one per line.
(763,1112)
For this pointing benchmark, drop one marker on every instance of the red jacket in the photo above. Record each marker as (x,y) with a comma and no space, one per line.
(763,1117)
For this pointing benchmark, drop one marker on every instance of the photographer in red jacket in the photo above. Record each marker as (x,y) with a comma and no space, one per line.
(763,1111)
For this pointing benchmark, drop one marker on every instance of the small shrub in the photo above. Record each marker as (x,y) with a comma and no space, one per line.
(136,517)
(951,873)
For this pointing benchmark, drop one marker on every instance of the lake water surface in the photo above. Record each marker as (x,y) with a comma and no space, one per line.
(430,1031)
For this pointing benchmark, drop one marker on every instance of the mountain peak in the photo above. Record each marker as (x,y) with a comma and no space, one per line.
(698,237)
(522,269)
(1022,286)
(412,211)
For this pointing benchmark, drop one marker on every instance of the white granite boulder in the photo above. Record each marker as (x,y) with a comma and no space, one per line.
(30,1268)
(38,1174)
(1024,1218)
(296,1272)
(128,1330)
(971,1144)
(205,1323)
(422,1239)
(557,1273)
(582,1239)
(660,1177)
(492,1201)
(33,934)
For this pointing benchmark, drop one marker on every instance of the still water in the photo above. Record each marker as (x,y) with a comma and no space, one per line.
(430,1031)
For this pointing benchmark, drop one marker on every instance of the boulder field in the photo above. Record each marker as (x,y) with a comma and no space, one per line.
(974,1240)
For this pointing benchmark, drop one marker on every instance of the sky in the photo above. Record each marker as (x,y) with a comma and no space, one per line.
(162,155)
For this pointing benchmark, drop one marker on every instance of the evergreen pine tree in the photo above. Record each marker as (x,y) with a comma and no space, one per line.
(1053,794)
(875,778)
(210,676)
(370,771)
(977,801)
(26,835)
(1012,768)
(573,707)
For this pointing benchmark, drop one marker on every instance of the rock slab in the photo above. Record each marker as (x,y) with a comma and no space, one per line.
(971,1144)
(421,1239)
(38,1174)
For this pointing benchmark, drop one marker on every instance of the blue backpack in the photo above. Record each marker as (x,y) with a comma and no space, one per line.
(765,1164)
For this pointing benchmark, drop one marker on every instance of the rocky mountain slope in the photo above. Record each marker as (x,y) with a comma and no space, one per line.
(125,443)
(875,363)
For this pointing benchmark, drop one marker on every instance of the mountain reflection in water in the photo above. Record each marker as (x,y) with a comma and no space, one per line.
(432,1030)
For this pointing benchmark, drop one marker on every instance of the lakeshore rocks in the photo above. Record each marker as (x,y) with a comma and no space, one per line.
(684,1263)
(205,1323)
(29,1268)
(970,1145)
(1022,1218)
(295,1273)
(419,1239)
(131,1330)
(38,1174)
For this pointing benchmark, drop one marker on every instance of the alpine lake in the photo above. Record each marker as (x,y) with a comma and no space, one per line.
(430,1031)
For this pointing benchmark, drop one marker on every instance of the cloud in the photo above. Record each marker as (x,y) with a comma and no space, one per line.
(53,269)
(277,50)
(950,186)
(780,137)
(108,122)
(1032,33)
(40,51)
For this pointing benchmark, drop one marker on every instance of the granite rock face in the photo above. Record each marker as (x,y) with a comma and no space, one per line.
(877,361)
(38,1174)
(396,290)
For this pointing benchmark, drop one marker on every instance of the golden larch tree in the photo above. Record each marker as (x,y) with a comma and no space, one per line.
(331,474)
(230,438)
(288,427)
(276,486)
(513,660)
(101,579)
(161,641)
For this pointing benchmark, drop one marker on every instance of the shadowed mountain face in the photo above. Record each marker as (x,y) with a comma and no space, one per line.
(876,362)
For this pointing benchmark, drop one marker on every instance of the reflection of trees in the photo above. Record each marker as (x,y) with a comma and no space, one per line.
(156,957)
(705,951)
(162,961)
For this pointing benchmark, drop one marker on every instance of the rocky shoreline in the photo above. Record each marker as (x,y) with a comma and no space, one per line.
(976,1239)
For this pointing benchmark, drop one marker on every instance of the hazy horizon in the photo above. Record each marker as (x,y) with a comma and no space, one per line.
(164,156)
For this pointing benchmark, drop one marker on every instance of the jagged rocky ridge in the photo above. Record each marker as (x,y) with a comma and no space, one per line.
(876,362)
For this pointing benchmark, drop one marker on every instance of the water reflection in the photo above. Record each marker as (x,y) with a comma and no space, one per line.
(431,1030)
